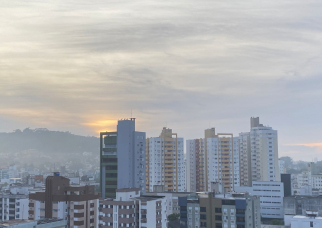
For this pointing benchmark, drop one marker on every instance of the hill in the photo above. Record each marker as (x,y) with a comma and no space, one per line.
(47,142)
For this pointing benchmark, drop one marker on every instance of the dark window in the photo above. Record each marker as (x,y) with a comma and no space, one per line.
(311,224)
(240,226)
(240,219)
(218,217)
(240,211)
(77,207)
(78,223)
(110,190)
(183,215)
(111,175)
(92,213)
(111,167)
(228,202)
(109,160)
(203,209)
(203,216)
(218,225)
(183,208)
(79,215)
(218,210)
(111,182)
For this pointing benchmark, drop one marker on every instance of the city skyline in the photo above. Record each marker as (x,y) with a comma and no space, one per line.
(80,66)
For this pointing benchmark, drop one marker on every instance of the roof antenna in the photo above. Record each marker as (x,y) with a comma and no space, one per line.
(131,113)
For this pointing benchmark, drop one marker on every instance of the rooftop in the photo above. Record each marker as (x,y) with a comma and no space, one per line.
(4,224)
(14,222)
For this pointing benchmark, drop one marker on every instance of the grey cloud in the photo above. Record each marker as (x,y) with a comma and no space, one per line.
(191,64)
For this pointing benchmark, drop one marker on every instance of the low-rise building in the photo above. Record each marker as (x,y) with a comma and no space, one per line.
(271,195)
(299,205)
(13,207)
(301,221)
(45,223)
(131,209)
(77,205)
(222,210)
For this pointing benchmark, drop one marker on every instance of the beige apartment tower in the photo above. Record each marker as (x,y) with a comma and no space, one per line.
(165,162)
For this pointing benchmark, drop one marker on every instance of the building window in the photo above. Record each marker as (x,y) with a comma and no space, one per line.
(203,209)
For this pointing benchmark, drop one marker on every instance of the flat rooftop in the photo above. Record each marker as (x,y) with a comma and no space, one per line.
(4,224)
(14,222)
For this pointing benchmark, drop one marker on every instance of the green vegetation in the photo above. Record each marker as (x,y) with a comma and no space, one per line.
(173,217)
(276,222)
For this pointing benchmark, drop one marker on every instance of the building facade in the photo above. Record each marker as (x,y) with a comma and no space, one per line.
(223,210)
(271,195)
(122,159)
(165,163)
(13,207)
(130,209)
(223,161)
(77,205)
(195,165)
(264,153)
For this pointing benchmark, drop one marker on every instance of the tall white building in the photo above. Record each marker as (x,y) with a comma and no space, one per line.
(165,163)
(263,150)
(223,161)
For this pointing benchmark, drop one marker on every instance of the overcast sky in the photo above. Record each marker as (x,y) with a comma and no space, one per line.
(79,66)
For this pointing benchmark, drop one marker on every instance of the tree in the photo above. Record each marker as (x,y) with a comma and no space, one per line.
(173,217)
(288,162)
(277,222)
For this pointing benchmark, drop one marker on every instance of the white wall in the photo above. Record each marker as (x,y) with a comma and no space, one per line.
(305,222)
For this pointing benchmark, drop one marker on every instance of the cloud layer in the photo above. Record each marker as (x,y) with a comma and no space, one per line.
(81,65)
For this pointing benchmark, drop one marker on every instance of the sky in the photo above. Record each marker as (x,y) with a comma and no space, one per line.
(189,65)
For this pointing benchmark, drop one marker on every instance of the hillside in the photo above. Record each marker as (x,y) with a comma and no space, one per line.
(46,141)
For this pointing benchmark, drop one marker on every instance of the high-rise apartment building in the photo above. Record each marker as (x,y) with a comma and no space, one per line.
(259,154)
(245,159)
(77,205)
(264,153)
(223,162)
(122,158)
(165,162)
(195,165)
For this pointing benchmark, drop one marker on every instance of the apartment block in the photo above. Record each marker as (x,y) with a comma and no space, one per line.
(264,152)
(271,197)
(131,209)
(195,165)
(245,159)
(222,210)
(223,161)
(13,207)
(122,158)
(77,205)
(172,199)
(165,163)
